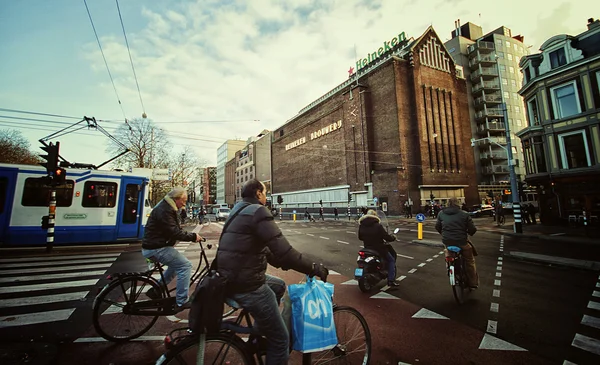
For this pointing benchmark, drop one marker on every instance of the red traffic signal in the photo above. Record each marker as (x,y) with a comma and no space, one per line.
(51,158)
(59,176)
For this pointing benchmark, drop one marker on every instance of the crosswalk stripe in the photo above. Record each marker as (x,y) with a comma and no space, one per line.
(590,321)
(54,258)
(38,264)
(55,269)
(34,318)
(586,343)
(593,305)
(16,279)
(26,288)
(43,299)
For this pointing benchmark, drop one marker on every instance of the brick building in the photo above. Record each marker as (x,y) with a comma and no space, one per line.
(397,129)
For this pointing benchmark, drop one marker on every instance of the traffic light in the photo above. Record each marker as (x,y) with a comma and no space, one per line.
(45,222)
(51,158)
(432,196)
(279,199)
(60,176)
(320,202)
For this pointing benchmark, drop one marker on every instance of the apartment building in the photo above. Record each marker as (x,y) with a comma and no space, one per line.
(225,153)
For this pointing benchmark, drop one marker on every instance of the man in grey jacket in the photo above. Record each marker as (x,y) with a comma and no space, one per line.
(454,225)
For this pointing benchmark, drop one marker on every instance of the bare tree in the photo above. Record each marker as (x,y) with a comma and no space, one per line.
(14,148)
(148,144)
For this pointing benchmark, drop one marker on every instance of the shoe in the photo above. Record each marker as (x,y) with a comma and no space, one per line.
(393,283)
(179,308)
(152,294)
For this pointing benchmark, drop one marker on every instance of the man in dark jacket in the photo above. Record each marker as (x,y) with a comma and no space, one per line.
(374,236)
(162,232)
(454,225)
(251,241)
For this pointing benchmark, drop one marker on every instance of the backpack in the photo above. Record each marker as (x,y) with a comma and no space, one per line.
(206,312)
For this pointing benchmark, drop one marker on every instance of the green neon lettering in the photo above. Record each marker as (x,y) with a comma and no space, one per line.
(386,46)
(380,51)
(394,41)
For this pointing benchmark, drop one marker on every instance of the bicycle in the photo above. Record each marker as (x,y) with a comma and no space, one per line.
(457,273)
(124,300)
(226,347)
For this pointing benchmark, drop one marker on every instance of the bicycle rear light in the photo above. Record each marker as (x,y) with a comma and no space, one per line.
(449,259)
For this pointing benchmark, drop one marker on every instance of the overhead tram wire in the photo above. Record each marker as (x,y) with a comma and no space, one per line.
(131,60)
(37,113)
(105,63)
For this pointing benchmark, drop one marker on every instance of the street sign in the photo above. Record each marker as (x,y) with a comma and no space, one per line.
(161,174)
(420,217)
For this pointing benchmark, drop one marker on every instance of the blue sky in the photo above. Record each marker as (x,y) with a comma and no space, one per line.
(252,66)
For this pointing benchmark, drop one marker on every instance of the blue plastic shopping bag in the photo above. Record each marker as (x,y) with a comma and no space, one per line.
(313,327)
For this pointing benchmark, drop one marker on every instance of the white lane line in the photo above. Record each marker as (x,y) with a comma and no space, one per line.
(597,285)
(55,258)
(408,257)
(17,279)
(38,264)
(498,282)
(436,256)
(344,242)
(308,234)
(590,321)
(55,269)
(44,299)
(492,326)
(333,272)
(27,288)
(412,271)
(501,249)
(499,268)
(593,305)
(498,274)
(34,318)
(421,264)
(441,253)
(495,307)
(496,293)
(586,343)
(499,263)
(325,238)
(100,339)
(500,258)
(429,260)
(177,320)
(350,232)
(401,278)
(596,294)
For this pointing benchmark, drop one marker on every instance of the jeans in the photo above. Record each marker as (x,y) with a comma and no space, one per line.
(177,264)
(263,306)
(391,262)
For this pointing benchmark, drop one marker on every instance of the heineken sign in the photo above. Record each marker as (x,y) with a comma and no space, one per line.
(315,134)
(387,47)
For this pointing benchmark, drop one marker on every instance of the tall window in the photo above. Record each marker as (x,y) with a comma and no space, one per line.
(511,69)
(558,58)
(37,194)
(574,150)
(538,152)
(565,100)
(99,194)
(532,111)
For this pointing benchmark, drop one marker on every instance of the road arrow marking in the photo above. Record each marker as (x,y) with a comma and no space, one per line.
(490,342)
(427,314)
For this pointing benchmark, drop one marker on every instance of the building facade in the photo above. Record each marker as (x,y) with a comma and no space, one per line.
(209,185)
(225,153)
(561,89)
(230,188)
(396,130)
(491,66)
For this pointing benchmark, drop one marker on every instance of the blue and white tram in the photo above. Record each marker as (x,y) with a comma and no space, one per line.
(92,206)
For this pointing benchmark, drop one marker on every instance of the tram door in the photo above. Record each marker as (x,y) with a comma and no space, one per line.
(8,178)
(129,219)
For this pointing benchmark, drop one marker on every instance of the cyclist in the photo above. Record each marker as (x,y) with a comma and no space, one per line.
(454,225)
(163,230)
(499,211)
(375,237)
(249,242)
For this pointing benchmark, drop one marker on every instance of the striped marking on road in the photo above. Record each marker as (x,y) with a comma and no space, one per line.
(350,232)
(20,279)
(498,282)
(500,258)
(325,238)
(344,242)
(492,326)
(496,293)
(39,264)
(596,294)
(55,258)
(436,256)
(407,257)
(35,318)
(421,264)
(429,260)
(43,299)
(495,307)
(401,278)
(499,268)
(586,343)
(55,269)
(593,305)
(597,285)
(333,272)
(49,286)
(412,271)
(100,339)
(590,321)
(499,263)
(498,274)
(441,253)
(308,234)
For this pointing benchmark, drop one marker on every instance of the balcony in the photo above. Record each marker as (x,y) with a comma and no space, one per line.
(489,112)
(488,99)
(491,127)
(493,156)
(482,47)
(486,60)
(494,170)
(485,86)
(485,72)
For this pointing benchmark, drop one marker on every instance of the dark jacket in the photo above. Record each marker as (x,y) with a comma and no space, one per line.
(252,240)
(373,235)
(163,227)
(454,225)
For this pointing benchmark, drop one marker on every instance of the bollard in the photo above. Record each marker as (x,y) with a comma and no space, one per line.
(584,218)
(420,231)
(279,213)
(294,217)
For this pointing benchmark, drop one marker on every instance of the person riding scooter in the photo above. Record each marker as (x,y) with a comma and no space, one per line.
(375,237)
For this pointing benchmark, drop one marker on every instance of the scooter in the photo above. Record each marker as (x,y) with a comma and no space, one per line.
(371,268)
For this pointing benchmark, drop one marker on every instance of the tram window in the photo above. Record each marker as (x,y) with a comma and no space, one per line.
(130,207)
(3,188)
(99,194)
(37,194)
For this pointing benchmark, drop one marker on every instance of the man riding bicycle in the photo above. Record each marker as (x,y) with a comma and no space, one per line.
(454,224)
(249,242)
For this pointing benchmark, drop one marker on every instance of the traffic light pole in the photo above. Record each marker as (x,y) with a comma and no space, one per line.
(51,216)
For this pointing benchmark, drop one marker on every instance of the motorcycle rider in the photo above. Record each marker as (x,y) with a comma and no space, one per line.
(454,224)
(375,237)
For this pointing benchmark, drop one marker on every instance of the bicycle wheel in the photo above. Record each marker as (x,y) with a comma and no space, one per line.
(354,339)
(218,349)
(459,284)
(501,220)
(108,318)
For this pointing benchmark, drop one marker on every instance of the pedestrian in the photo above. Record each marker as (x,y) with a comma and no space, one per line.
(335,213)
(409,208)
(183,215)
(306,215)
(321,214)
(531,211)
(525,214)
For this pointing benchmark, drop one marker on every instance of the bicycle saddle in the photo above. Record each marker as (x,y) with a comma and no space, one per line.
(454,249)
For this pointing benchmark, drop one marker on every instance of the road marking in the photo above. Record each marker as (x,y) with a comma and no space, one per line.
(441,252)
(495,307)
(596,294)
(490,342)
(496,293)
(401,278)
(591,305)
(350,282)
(421,264)
(497,282)
(20,279)
(501,249)
(383,295)
(100,339)
(344,242)
(38,264)
(34,318)
(408,257)
(177,320)
(429,260)
(500,258)
(586,343)
(499,268)
(597,285)
(412,271)
(48,286)
(43,299)
(426,313)
(590,321)
(499,263)
(491,327)
(498,274)
(54,258)
(350,232)
(567,362)
(308,234)
(55,269)
(325,238)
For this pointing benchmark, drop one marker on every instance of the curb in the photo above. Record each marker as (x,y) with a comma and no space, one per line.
(428,243)
(555,260)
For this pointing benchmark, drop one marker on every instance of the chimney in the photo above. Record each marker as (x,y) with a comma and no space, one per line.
(593,23)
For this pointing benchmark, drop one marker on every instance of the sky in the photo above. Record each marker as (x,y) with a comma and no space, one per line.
(212,70)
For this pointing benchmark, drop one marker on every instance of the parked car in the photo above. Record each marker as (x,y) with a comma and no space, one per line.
(222,214)
(482,210)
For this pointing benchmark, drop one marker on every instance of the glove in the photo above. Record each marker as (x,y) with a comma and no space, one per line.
(320,271)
